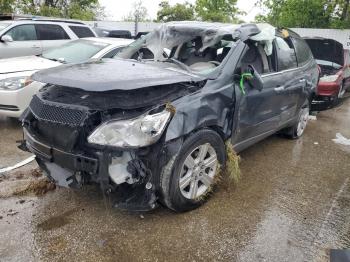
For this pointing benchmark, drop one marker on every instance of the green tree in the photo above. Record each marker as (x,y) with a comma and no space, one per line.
(75,9)
(6,6)
(306,13)
(177,12)
(217,10)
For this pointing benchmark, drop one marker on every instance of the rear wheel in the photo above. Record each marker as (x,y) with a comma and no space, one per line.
(298,129)
(339,96)
(341,92)
(188,178)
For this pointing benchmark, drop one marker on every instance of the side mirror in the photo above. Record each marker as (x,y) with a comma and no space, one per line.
(6,38)
(256,81)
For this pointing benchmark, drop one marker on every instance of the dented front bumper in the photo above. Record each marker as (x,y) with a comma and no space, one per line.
(121,175)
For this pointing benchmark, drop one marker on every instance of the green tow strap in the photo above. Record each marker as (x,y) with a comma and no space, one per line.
(241,83)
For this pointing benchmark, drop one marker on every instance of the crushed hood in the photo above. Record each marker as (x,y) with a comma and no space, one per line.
(25,63)
(113,74)
(327,50)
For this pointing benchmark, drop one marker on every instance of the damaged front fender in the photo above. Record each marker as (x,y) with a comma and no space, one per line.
(211,107)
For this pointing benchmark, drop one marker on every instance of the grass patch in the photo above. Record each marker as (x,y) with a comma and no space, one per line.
(232,169)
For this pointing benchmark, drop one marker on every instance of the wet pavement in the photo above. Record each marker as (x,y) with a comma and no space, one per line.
(291,204)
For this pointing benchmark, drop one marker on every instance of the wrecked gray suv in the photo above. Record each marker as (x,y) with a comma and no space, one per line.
(150,126)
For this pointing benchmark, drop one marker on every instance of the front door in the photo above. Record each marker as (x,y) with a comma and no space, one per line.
(25,42)
(259,113)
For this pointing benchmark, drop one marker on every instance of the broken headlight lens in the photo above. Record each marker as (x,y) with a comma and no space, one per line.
(138,132)
(331,78)
(14,83)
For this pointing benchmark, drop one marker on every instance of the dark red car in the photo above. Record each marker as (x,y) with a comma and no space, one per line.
(334,63)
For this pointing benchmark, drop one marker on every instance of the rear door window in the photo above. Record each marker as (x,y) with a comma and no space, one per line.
(23,33)
(51,32)
(82,31)
(286,57)
(303,51)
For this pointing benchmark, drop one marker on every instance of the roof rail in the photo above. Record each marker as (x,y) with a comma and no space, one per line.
(53,20)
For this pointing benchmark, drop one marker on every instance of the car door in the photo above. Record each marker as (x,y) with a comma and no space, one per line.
(51,35)
(25,42)
(259,113)
(295,79)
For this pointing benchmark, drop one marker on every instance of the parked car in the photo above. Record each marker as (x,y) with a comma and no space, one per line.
(33,36)
(104,32)
(334,63)
(16,86)
(152,129)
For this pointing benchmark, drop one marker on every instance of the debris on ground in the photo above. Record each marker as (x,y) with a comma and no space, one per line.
(316,143)
(38,187)
(12,213)
(340,139)
(232,163)
(36,172)
(18,175)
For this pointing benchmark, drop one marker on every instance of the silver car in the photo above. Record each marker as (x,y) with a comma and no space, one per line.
(33,37)
(16,86)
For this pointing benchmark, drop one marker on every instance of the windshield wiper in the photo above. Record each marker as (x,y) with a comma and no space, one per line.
(180,64)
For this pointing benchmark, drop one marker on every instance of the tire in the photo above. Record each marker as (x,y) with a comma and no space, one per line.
(296,131)
(194,192)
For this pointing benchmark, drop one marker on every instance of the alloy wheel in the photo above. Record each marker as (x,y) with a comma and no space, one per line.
(198,172)
(304,118)
(341,91)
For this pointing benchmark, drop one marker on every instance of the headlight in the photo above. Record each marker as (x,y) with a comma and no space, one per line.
(331,78)
(138,132)
(15,83)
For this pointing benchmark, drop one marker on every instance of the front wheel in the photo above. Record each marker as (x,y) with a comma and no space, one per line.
(188,178)
(298,129)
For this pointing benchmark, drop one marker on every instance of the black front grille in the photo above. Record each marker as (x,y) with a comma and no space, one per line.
(56,113)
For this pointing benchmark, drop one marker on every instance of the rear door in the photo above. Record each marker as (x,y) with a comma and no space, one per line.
(290,92)
(51,35)
(25,42)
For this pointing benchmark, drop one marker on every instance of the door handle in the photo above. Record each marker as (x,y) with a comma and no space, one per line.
(36,46)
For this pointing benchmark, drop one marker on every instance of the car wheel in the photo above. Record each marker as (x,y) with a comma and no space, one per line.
(342,91)
(188,178)
(298,129)
(339,96)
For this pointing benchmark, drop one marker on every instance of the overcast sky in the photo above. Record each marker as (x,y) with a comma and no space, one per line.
(117,9)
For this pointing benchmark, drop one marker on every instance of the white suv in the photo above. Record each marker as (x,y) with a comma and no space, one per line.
(32,37)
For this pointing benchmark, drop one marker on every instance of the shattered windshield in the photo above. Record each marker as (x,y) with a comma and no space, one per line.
(195,47)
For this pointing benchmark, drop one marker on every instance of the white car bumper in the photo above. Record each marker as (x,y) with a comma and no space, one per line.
(13,103)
